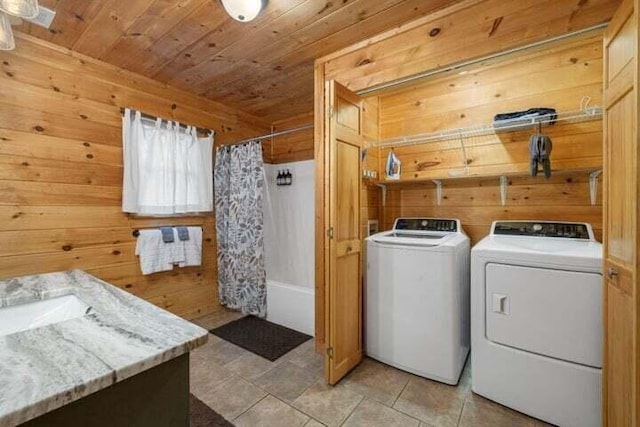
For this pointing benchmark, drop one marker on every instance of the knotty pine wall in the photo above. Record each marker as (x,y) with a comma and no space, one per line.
(292,147)
(462,31)
(476,202)
(557,75)
(61,172)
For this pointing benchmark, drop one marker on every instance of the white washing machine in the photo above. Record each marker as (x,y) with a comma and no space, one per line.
(536,320)
(417,297)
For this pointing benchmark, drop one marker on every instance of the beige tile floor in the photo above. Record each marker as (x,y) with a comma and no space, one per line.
(251,391)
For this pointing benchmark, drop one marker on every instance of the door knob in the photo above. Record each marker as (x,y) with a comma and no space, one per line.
(612,272)
(349,248)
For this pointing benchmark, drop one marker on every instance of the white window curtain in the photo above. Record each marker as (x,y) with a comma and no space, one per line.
(168,170)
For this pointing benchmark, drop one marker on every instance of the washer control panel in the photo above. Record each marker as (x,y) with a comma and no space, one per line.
(567,230)
(426,224)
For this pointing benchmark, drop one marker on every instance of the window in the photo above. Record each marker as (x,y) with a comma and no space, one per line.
(168,170)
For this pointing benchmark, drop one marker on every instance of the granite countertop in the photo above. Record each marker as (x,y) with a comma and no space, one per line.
(45,368)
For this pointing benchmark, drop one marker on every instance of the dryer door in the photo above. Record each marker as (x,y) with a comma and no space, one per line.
(553,313)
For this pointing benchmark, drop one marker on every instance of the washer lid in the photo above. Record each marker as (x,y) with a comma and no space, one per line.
(412,238)
(428,224)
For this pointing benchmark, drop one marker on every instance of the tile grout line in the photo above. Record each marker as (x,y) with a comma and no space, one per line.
(404,413)
(314,418)
(251,380)
(307,388)
(307,414)
(400,394)
(250,407)
(464,403)
(392,406)
(296,409)
(362,398)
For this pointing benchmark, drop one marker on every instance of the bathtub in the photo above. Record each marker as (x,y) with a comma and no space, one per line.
(291,306)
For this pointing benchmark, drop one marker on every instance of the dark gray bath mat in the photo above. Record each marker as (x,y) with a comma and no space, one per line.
(263,338)
(203,416)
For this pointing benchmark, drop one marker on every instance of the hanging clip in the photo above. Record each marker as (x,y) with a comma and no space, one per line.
(593,186)
(438,184)
(504,181)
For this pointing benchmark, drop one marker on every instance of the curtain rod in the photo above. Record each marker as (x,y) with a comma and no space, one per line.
(445,69)
(184,126)
(271,135)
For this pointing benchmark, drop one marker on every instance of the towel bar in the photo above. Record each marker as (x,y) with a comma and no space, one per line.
(136,232)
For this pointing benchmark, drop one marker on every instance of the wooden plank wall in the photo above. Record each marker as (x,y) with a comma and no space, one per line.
(61,172)
(558,75)
(476,202)
(292,147)
(466,30)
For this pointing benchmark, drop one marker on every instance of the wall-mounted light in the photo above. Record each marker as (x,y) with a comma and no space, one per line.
(243,10)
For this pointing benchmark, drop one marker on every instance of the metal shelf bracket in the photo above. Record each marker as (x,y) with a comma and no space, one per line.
(384,193)
(504,181)
(593,185)
(438,184)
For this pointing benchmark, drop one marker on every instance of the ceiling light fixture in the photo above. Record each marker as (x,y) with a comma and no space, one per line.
(6,35)
(243,10)
(9,9)
(21,8)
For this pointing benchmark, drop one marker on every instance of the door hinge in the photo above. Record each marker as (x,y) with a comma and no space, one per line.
(330,233)
(330,352)
(330,112)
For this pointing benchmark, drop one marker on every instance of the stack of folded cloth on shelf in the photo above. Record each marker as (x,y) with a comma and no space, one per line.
(524,118)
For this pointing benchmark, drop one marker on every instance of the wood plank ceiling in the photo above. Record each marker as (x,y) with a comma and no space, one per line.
(264,67)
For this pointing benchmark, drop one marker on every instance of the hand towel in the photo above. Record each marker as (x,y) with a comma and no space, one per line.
(193,248)
(539,151)
(167,234)
(183,233)
(154,256)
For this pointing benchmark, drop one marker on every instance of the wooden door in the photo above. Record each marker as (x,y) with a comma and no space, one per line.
(343,286)
(621,375)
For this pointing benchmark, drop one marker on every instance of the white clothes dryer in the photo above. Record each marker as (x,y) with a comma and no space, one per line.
(417,297)
(536,320)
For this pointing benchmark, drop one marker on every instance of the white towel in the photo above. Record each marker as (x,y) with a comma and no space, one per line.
(155,255)
(192,247)
(175,249)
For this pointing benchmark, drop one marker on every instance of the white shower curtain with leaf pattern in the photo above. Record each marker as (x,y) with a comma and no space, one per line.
(238,183)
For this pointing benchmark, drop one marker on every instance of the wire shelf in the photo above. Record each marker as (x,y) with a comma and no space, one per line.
(576,116)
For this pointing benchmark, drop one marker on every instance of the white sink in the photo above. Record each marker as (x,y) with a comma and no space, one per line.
(17,318)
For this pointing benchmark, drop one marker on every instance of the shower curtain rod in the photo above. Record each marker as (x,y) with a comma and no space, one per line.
(272,134)
(182,125)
